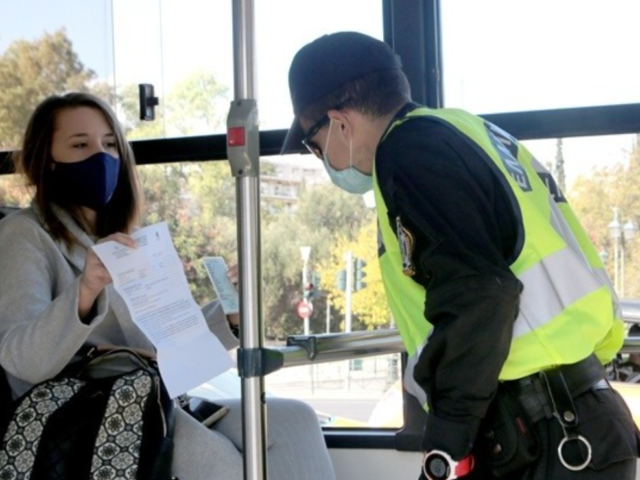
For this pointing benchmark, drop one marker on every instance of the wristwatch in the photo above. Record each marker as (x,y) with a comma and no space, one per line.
(438,465)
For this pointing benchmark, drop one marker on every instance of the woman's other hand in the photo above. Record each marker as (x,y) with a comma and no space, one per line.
(232,273)
(95,276)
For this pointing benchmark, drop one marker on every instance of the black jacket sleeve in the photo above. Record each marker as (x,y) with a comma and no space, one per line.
(464,227)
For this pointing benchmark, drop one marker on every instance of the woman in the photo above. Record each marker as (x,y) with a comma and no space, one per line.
(56,295)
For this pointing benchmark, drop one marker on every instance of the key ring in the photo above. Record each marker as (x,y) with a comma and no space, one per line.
(577,438)
(567,438)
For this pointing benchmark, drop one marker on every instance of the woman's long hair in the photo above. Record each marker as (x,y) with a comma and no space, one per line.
(34,161)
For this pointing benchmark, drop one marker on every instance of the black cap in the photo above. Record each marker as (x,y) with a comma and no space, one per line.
(327,63)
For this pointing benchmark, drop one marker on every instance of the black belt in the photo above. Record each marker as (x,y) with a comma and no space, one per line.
(533,391)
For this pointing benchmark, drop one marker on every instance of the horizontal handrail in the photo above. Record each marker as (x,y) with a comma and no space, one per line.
(306,349)
(630,310)
(330,347)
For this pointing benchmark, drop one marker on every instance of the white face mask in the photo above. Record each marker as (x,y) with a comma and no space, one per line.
(350,179)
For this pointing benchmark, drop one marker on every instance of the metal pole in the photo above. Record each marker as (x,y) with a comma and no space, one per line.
(328,315)
(347,306)
(621,266)
(244,157)
(305,282)
(349,287)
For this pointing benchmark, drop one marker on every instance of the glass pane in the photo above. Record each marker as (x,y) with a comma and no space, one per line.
(183,48)
(49,48)
(504,56)
(599,176)
(300,210)
(305,21)
(357,393)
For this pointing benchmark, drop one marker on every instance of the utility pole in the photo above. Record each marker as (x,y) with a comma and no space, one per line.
(305,252)
(348,257)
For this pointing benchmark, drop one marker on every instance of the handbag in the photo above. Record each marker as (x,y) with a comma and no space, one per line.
(105,416)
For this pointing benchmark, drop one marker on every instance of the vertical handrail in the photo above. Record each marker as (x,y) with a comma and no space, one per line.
(243,149)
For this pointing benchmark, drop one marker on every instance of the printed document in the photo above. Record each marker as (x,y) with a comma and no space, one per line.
(152,282)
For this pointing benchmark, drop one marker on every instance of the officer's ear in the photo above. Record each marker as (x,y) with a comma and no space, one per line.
(343,123)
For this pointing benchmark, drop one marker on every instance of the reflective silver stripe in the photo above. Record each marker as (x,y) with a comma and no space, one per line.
(550,286)
(560,225)
(605,280)
(410,385)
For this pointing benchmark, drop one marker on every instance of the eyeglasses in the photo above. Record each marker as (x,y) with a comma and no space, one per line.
(307,141)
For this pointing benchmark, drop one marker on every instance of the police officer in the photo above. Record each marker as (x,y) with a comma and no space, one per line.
(506,350)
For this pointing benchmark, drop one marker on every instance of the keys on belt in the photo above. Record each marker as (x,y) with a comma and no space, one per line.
(550,394)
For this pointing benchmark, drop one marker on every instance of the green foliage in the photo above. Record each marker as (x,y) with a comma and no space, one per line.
(13,191)
(197,200)
(369,304)
(593,199)
(196,105)
(32,71)
(175,193)
(324,215)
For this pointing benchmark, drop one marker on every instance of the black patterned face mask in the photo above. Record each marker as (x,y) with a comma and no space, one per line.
(89,183)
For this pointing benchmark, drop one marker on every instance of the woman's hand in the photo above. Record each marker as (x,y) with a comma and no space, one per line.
(95,276)
(232,273)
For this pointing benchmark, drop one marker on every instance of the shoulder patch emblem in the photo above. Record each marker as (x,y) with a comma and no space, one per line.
(407,244)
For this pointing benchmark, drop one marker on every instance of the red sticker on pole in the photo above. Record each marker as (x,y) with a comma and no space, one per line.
(304,310)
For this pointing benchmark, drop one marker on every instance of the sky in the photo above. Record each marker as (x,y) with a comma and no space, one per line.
(499,55)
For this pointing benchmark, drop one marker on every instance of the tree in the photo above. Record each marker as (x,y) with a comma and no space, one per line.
(324,215)
(593,198)
(31,71)
(196,105)
(369,305)
(177,194)
(13,191)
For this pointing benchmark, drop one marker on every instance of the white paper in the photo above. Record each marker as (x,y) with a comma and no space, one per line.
(225,290)
(152,282)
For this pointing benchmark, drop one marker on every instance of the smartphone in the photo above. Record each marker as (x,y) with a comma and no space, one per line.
(225,290)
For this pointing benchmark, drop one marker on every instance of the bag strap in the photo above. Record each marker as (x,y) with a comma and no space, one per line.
(6,398)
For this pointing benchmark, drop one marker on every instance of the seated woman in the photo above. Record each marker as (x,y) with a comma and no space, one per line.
(56,295)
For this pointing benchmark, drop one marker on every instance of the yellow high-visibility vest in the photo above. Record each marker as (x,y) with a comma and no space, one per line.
(568,308)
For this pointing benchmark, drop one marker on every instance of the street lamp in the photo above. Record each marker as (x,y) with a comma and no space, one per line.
(305,252)
(620,234)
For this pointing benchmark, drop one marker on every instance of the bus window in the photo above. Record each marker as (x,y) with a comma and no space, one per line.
(183,47)
(355,393)
(502,56)
(599,177)
(300,208)
(50,48)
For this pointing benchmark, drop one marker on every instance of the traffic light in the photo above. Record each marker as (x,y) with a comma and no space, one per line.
(359,274)
(341,280)
(307,291)
(312,289)
(315,281)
